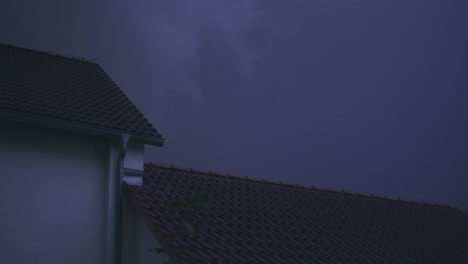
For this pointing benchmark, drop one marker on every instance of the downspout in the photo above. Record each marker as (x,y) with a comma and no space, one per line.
(114,210)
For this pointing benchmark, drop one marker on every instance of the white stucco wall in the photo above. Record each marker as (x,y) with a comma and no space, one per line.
(137,239)
(52,195)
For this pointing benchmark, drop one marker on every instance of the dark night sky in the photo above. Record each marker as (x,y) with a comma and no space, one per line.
(366,96)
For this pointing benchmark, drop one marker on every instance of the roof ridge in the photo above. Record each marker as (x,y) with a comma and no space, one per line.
(312,187)
(68,57)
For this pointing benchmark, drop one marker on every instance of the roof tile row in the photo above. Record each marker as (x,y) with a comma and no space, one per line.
(256,221)
(65,89)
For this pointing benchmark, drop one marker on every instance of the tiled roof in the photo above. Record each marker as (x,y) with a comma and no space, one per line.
(257,221)
(66,89)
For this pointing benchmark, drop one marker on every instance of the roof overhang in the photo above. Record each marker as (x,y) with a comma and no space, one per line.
(39,120)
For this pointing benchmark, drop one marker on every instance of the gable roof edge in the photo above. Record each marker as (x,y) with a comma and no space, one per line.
(39,120)
(54,54)
(312,187)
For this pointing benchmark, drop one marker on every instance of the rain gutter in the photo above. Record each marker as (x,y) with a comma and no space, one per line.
(77,127)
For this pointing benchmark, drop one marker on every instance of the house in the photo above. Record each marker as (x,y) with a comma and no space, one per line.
(68,135)
(258,221)
(76,190)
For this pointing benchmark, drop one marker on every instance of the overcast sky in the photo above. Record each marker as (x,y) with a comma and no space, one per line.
(366,96)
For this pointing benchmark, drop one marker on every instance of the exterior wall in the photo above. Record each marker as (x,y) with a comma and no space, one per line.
(137,239)
(134,158)
(134,164)
(52,195)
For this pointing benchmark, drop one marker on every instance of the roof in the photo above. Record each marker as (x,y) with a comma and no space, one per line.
(68,90)
(259,221)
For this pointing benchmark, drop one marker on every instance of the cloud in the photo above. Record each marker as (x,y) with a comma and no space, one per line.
(178,33)
(185,24)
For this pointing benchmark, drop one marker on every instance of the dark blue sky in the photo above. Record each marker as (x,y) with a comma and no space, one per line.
(366,96)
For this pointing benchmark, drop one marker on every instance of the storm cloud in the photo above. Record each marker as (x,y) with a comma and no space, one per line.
(359,95)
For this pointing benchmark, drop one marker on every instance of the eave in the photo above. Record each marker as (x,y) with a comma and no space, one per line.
(51,122)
